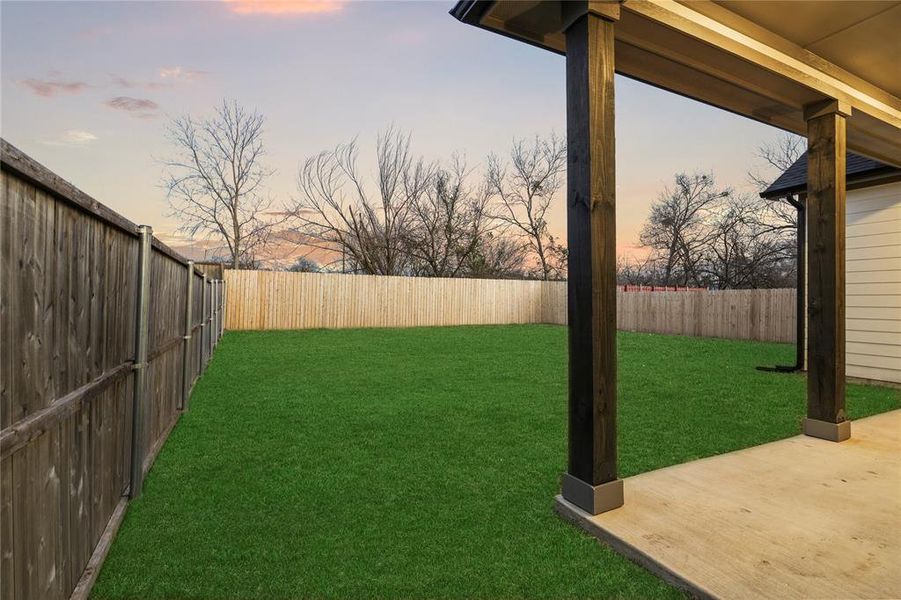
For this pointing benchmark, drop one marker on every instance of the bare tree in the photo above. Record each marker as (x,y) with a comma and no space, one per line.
(496,257)
(524,188)
(337,213)
(706,236)
(449,223)
(635,271)
(676,229)
(777,219)
(305,265)
(214,180)
(775,158)
(743,251)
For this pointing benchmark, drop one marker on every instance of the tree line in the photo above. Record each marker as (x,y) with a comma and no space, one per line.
(425,218)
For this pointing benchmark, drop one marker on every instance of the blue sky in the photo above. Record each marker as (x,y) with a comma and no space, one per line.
(87,88)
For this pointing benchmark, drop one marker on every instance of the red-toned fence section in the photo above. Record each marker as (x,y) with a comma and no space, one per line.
(660,288)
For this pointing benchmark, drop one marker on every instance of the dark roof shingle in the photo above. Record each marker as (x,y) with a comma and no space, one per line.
(794,179)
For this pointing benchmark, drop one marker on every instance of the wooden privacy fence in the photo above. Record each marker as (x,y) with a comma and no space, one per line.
(104,330)
(284,300)
(764,315)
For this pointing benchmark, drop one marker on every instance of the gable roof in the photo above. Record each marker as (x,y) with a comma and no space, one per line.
(794,179)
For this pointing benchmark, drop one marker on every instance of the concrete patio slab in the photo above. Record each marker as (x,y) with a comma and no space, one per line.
(797,518)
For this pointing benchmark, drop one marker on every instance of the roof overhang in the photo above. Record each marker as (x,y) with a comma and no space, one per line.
(765,60)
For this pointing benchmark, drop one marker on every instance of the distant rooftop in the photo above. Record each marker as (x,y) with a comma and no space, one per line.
(794,179)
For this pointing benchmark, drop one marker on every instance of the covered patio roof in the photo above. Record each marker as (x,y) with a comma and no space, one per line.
(824,70)
(764,60)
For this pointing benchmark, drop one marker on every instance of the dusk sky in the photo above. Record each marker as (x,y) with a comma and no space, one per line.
(87,88)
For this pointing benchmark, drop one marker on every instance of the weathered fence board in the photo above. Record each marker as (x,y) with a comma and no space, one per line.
(68,291)
(282,300)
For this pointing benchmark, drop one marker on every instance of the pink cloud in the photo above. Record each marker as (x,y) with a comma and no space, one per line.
(181,74)
(171,76)
(284,7)
(136,107)
(53,87)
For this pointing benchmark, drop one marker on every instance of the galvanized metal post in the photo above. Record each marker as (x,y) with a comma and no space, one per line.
(216,319)
(218,311)
(203,326)
(142,330)
(211,339)
(186,355)
(224,295)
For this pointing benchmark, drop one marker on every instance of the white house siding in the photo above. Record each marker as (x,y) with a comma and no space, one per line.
(873,286)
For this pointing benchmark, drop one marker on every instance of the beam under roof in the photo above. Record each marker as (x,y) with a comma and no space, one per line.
(731,54)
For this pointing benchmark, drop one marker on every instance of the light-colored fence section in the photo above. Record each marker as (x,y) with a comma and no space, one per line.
(283,300)
(68,371)
(279,300)
(764,315)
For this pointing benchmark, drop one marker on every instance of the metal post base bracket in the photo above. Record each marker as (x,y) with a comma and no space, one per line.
(833,432)
(593,499)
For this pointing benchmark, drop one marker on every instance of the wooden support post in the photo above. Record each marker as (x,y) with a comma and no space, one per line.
(801,299)
(591,482)
(142,331)
(826,417)
(186,355)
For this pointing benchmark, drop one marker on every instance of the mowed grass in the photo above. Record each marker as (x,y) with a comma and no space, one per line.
(423,462)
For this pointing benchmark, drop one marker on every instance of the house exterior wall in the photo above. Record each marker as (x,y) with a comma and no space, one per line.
(873,286)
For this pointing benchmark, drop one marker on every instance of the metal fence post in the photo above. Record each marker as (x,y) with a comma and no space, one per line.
(216,313)
(186,362)
(203,327)
(224,294)
(209,355)
(142,330)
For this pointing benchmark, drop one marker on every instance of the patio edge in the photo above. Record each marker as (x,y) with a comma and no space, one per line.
(575,515)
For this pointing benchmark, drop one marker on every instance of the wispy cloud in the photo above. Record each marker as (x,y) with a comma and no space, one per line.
(125,83)
(72,137)
(181,74)
(53,87)
(285,8)
(136,107)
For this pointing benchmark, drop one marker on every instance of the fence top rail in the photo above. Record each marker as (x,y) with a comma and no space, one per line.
(701,291)
(361,276)
(20,164)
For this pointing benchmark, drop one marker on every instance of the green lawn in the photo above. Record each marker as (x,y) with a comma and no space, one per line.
(423,462)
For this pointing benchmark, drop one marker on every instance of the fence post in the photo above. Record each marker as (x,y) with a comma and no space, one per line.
(218,307)
(186,362)
(142,330)
(224,294)
(214,333)
(209,355)
(203,327)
